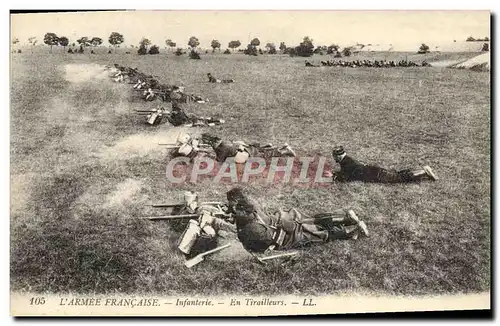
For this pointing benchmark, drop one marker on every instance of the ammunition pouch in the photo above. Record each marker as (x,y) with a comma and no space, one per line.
(242,155)
(189,237)
(278,239)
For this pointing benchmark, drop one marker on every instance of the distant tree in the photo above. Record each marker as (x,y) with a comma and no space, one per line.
(96,41)
(305,48)
(142,50)
(255,42)
(179,52)
(154,50)
(14,42)
(332,49)
(486,38)
(194,55)
(486,47)
(321,49)
(32,41)
(63,41)
(215,45)
(70,50)
(282,47)
(193,42)
(251,50)
(227,51)
(145,42)
(83,42)
(73,44)
(346,52)
(169,43)
(291,51)
(115,39)
(423,49)
(271,48)
(50,39)
(234,44)
(470,39)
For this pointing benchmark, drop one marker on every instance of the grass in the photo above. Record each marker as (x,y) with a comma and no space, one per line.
(83,167)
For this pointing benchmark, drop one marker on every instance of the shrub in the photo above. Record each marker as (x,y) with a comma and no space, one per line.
(227,51)
(194,55)
(179,52)
(154,50)
(251,50)
(142,50)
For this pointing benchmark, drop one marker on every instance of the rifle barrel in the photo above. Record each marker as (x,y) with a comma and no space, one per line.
(171,217)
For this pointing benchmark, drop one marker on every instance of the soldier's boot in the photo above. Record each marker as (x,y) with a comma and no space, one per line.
(419,175)
(355,231)
(352,232)
(429,172)
(351,218)
(286,150)
(363,229)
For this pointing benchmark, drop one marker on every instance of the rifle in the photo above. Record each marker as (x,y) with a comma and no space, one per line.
(183,216)
(177,146)
(181,203)
(199,258)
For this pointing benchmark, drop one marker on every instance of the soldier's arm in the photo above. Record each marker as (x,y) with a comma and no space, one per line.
(339,177)
(220,224)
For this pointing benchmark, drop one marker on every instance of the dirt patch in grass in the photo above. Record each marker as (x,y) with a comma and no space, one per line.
(83,73)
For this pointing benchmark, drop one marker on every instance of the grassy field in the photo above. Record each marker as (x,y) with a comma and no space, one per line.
(83,167)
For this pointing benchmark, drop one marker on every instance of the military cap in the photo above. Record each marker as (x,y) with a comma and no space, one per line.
(339,150)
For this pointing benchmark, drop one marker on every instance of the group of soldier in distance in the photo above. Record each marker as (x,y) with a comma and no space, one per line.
(369,63)
(150,89)
(261,234)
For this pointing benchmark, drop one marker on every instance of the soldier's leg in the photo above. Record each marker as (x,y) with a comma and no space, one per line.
(417,175)
(390,176)
(337,217)
(311,233)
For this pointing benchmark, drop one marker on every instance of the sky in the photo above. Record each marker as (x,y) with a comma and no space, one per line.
(324,27)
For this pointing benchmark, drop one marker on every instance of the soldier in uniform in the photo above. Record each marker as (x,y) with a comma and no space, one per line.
(259,232)
(353,170)
(242,151)
(212,79)
(179,117)
(200,234)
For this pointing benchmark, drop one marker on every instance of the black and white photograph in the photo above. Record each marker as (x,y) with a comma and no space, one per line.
(249,162)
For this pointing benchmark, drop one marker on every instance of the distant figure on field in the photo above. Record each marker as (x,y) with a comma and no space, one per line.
(212,79)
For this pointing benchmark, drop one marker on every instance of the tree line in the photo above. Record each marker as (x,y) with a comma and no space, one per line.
(305,48)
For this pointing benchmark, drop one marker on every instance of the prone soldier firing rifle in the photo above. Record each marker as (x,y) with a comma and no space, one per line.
(202,223)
